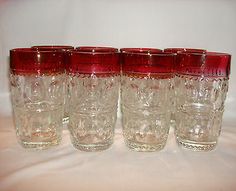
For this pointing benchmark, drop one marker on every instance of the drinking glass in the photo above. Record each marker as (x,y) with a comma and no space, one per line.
(37,83)
(201,88)
(94,77)
(147,76)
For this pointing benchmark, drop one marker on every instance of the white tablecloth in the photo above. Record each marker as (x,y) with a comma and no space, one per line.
(118,168)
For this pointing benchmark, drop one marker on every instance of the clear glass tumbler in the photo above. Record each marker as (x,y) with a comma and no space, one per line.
(66,49)
(173,99)
(145,97)
(201,86)
(37,83)
(94,77)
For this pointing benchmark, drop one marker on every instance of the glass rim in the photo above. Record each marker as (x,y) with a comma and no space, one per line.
(32,51)
(215,64)
(184,49)
(33,61)
(160,54)
(52,47)
(217,54)
(144,51)
(95,50)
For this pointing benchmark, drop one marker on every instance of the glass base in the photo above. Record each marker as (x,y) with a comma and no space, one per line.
(91,147)
(40,145)
(196,146)
(142,147)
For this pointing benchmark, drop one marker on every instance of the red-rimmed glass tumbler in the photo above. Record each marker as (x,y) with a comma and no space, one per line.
(173,100)
(37,82)
(94,77)
(66,49)
(201,88)
(145,98)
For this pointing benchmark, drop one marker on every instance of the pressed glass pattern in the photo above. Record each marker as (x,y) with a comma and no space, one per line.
(199,110)
(38,102)
(93,109)
(146,110)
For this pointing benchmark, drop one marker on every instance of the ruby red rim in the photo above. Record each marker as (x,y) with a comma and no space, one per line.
(140,50)
(148,63)
(96,49)
(31,50)
(31,61)
(190,50)
(212,64)
(94,60)
(53,47)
